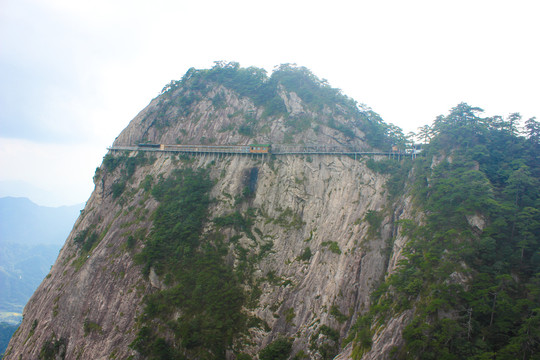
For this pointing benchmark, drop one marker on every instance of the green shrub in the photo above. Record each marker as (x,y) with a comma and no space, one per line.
(332,246)
(245,129)
(305,255)
(131,241)
(53,349)
(111,162)
(289,220)
(146,184)
(374,219)
(117,188)
(86,239)
(289,316)
(90,326)
(338,315)
(279,349)
(385,166)
(328,345)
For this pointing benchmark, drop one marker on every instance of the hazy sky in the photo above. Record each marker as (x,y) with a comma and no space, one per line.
(73,73)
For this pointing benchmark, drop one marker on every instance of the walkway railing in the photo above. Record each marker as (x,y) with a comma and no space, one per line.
(244,150)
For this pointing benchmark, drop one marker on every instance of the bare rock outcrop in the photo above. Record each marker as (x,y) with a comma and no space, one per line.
(88,306)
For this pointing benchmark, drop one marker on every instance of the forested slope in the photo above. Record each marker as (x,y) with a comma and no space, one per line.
(471,270)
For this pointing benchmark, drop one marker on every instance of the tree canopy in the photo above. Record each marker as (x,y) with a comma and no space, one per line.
(474,284)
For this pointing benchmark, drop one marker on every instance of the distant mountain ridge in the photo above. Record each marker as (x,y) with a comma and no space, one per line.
(30,239)
(22,221)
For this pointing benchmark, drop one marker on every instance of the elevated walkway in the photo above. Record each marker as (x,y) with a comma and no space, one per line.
(241,150)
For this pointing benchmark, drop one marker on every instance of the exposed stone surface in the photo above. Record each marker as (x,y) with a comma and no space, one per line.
(329,197)
(163,121)
(477,222)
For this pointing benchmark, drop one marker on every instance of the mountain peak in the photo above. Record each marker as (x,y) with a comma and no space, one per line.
(230,105)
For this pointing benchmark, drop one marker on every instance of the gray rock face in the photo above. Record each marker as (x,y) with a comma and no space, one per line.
(163,121)
(91,303)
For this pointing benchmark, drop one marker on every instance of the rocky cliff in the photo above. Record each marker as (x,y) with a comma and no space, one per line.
(284,258)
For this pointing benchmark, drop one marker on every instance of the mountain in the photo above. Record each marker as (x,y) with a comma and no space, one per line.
(341,242)
(23,222)
(22,189)
(6,331)
(30,239)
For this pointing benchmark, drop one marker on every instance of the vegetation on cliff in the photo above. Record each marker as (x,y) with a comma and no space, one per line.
(277,262)
(264,91)
(471,271)
(200,285)
(202,311)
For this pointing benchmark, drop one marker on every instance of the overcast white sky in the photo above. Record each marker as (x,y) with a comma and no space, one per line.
(73,73)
